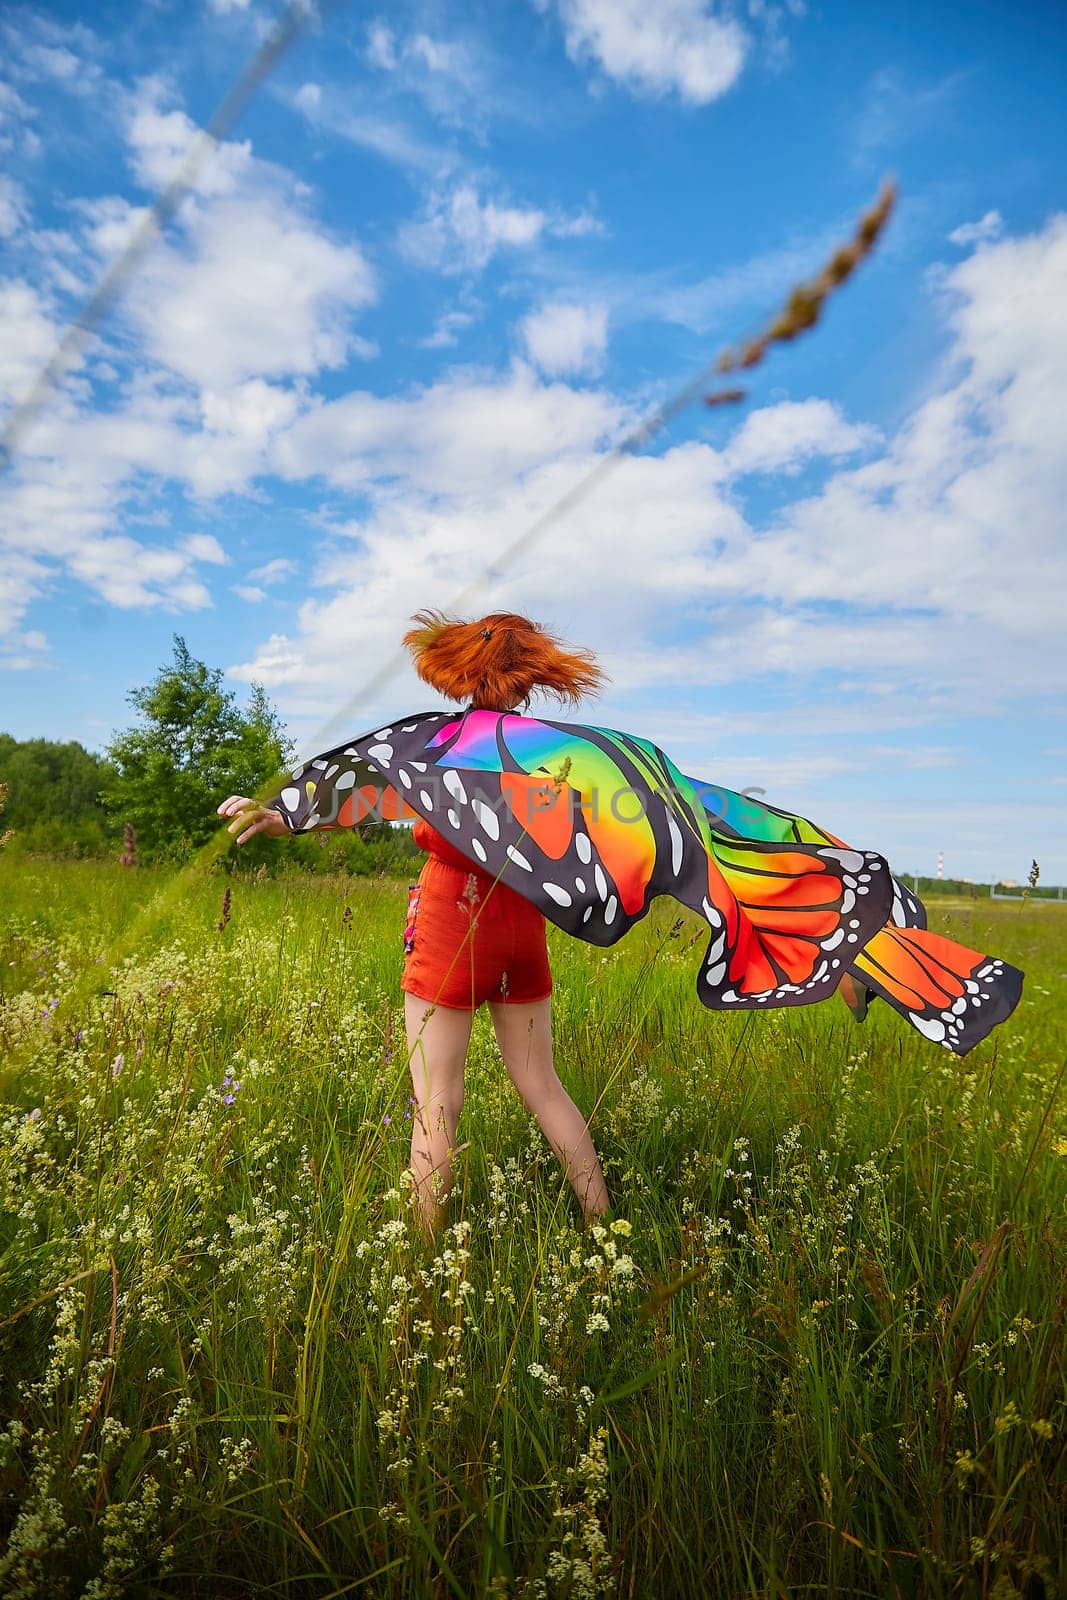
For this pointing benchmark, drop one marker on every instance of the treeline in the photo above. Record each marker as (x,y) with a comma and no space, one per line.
(152,797)
(929,888)
(53,798)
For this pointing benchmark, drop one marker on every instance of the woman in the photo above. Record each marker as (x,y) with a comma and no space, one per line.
(471,938)
(587,826)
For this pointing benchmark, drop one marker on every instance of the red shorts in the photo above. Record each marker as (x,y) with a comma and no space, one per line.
(469,939)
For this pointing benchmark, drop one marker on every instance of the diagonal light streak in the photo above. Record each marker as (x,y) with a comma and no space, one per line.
(294,20)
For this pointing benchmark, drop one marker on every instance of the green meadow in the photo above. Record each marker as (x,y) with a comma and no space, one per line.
(818,1347)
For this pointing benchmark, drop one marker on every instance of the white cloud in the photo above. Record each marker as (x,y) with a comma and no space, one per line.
(987,228)
(249,592)
(13,208)
(50,61)
(895,108)
(205,547)
(252,411)
(564,339)
(381,47)
(246,284)
(131,575)
(468,434)
(446,330)
(20,651)
(437,55)
(783,438)
(251,286)
(15,119)
(329,109)
(460,232)
(957,522)
(932,574)
(274,571)
(308,98)
(28,336)
(455,77)
(61,509)
(39,49)
(245,289)
(159,139)
(671,46)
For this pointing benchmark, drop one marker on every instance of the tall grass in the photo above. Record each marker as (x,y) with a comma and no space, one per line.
(819,1349)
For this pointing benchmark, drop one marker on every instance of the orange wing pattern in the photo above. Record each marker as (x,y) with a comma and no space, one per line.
(792,920)
(951,994)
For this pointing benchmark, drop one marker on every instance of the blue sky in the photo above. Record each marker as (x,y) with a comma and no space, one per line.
(448,256)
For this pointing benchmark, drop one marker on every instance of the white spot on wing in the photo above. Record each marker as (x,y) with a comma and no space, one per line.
(851,860)
(487,818)
(554,892)
(676,844)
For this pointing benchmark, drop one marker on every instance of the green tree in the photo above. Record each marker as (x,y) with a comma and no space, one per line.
(192,747)
(53,800)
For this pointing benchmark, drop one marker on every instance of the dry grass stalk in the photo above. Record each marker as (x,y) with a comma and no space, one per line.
(804,305)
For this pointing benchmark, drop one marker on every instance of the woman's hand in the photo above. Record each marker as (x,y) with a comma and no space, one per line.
(252,817)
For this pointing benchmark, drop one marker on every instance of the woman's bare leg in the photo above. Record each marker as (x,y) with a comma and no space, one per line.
(524,1034)
(437,1050)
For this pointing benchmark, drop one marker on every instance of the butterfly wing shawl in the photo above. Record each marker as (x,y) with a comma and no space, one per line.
(590,825)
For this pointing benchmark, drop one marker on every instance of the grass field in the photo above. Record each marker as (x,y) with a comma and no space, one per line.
(820,1350)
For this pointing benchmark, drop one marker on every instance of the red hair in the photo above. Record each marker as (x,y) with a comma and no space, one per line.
(498,661)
